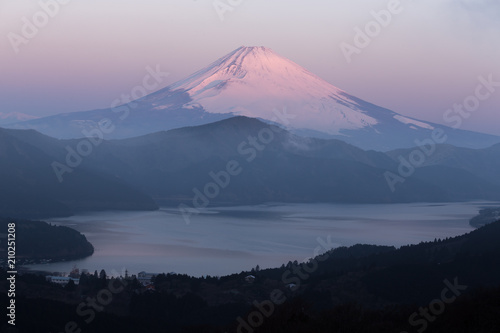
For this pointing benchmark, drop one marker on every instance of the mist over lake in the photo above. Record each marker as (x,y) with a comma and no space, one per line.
(231,239)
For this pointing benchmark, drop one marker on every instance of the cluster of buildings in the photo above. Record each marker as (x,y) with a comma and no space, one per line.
(143,277)
(62,280)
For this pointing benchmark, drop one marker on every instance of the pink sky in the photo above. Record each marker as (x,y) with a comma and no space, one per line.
(428,58)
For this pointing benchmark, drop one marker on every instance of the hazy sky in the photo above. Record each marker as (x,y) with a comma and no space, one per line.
(426,59)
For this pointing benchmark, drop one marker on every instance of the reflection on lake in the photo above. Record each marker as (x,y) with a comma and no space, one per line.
(231,239)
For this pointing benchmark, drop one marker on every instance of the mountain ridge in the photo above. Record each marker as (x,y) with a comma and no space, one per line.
(30,188)
(257,82)
(170,165)
(14,117)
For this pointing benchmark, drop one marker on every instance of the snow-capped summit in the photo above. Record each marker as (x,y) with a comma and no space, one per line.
(256,82)
(252,81)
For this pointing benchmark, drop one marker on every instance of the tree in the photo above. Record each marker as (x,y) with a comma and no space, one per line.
(71,286)
(84,279)
(102,275)
(136,284)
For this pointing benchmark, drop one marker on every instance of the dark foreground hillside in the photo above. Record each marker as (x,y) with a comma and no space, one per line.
(450,285)
(37,240)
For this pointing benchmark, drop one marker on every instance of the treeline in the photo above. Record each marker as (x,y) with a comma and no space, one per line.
(486,216)
(40,240)
(450,285)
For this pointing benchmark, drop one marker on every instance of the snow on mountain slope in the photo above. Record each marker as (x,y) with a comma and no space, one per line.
(406,120)
(252,81)
(256,82)
(14,117)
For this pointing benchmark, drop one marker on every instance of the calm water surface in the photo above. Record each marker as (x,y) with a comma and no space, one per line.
(231,239)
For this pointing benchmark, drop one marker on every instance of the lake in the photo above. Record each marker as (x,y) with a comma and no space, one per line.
(228,240)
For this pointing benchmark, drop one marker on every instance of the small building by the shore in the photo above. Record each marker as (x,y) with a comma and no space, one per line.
(62,280)
(145,278)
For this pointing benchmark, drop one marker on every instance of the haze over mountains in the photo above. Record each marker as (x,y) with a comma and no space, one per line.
(14,117)
(29,189)
(286,134)
(255,82)
(274,165)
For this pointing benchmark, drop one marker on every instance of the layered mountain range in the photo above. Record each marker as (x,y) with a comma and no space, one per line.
(256,82)
(29,190)
(269,164)
(251,127)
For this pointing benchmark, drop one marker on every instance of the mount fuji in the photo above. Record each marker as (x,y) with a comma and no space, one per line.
(256,82)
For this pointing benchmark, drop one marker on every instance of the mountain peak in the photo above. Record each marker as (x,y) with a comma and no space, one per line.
(255,81)
(254,51)
(255,48)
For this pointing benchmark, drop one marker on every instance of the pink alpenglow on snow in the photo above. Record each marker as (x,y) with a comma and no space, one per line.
(252,81)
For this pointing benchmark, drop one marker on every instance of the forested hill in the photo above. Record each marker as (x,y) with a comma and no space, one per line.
(37,240)
(363,288)
(486,216)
